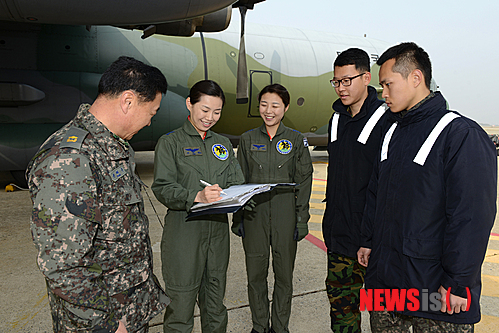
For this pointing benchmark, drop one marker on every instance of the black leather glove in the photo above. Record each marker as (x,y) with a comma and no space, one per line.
(249,205)
(301,230)
(237,223)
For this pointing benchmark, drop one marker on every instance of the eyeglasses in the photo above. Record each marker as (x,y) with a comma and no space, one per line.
(345,82)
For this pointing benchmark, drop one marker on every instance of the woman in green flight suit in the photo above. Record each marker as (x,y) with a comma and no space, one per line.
(273,153)
(195,251)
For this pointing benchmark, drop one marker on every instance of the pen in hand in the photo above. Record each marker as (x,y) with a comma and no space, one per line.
(208,184)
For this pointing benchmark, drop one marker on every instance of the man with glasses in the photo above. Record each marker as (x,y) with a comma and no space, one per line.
(354,138)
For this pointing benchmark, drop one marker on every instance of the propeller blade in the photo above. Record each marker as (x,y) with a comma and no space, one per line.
(242,68)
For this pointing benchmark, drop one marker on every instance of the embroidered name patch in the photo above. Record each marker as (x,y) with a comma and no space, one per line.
(192,151)
(220,152)
(284,146)
(118,173)
(255,147)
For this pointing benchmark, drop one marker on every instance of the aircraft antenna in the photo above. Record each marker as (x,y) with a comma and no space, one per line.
(204,56)
(242,68)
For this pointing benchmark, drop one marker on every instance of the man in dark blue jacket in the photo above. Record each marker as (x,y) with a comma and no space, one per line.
(431,204)
(354,137)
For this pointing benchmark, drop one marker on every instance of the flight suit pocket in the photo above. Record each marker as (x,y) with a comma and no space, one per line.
(427,249)
(304,168)
(257,170)
(286,169)
(222,174)
(186,163)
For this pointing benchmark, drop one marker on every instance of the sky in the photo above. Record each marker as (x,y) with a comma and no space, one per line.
(461,38)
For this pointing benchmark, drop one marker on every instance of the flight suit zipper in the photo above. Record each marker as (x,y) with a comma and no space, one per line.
(270,160)
(271,170)
(207,162)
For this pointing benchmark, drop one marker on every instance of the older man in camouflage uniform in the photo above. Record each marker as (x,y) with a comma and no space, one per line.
(88,221)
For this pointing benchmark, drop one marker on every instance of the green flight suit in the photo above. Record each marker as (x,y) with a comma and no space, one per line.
(194,252)
(279,218)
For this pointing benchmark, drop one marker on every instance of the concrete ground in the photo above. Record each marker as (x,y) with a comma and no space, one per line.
(24,301)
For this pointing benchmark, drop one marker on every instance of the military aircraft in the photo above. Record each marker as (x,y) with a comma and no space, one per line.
(47,70)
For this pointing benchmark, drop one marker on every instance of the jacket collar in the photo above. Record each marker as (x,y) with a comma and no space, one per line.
(434,101)
(279,131)
(371,98)
(114,146)
(191,130)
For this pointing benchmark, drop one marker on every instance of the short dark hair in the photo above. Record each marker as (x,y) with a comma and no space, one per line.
(127,73)
(408,56)
(354,56)
(278,89)
(206,87)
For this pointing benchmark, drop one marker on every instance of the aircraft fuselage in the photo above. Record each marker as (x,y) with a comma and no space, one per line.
(47,71)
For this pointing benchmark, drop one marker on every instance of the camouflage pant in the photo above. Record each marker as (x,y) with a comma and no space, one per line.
(343,283)
(137,306)
(392,322)
(61,322)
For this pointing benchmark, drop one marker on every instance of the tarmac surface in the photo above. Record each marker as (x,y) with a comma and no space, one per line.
(24,301)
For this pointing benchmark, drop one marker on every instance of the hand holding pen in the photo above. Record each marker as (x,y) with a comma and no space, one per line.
(210,193)
(208,184)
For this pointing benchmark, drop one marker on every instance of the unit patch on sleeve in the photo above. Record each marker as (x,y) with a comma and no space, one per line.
(284,146)
(258,147)
(220,152)
(192,151)
(305,142)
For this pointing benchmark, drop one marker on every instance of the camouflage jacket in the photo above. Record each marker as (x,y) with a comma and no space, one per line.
(90,229)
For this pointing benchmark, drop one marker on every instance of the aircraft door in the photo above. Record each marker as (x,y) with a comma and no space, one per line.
(258,81)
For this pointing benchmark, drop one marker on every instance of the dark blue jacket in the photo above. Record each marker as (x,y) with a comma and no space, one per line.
(428,216)
(349,170)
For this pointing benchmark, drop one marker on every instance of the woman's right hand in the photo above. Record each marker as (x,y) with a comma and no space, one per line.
(209,194)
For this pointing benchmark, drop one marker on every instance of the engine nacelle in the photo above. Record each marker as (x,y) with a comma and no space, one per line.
(213,22)
(107,12)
